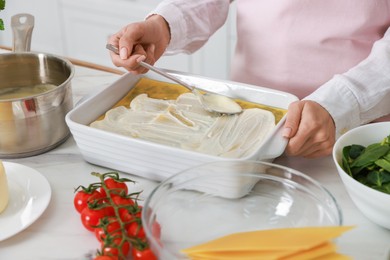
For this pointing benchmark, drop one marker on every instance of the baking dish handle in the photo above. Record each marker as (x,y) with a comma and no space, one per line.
(274,146)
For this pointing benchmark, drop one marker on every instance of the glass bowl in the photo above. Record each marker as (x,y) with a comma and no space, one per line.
(219,198)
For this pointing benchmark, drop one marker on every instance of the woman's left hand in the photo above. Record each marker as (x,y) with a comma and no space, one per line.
(310,130)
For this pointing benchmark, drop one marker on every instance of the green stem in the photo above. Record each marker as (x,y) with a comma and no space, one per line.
(125,237)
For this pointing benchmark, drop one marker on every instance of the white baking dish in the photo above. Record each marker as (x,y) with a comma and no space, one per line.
(157,161)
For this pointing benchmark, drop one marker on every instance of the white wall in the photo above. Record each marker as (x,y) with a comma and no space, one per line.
(79,29)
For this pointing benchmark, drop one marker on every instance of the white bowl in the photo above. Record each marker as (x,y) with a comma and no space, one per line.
(156,161)
(375,205)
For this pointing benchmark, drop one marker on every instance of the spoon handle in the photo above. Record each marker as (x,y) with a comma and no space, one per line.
(155,69)
(164,74)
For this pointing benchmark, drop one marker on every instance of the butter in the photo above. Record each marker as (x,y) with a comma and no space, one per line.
(3,188)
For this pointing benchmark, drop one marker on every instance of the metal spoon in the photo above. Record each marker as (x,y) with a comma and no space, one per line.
(210,101)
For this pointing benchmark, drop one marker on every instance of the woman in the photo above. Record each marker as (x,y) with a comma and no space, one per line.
(334,55)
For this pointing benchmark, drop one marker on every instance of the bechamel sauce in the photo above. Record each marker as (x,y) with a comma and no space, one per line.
(184,123)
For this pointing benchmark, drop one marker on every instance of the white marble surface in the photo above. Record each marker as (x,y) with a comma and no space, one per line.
(58,233)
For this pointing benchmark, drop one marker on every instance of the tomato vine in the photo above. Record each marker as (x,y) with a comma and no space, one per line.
(114,215)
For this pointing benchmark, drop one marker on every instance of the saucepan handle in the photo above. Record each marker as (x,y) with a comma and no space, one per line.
(22,26)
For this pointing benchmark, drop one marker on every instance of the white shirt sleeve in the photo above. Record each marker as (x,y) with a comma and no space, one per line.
(362,94)
(358,96)
(192,22)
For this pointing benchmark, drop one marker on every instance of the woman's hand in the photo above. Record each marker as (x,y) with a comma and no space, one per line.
(141,41)
(310,129)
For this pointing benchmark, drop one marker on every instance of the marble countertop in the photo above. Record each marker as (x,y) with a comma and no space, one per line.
(59,234)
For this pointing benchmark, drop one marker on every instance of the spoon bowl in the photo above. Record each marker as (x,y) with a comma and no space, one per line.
(211,102)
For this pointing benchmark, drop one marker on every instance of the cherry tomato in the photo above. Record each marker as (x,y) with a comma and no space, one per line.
(122,201)
(115,220)
(145,254)
(112,250)
(156,230)
(136,230)
(116,187)
(129,214)
(105,257)
(126,216)
(110,226)
(139,211)
(82,198)
(91,217)
(110,211)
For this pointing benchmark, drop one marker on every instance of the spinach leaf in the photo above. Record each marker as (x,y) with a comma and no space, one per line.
(346,160)
(369,165)
(375,178)
(386,140)
(386,188)
(383,163)
(370,155)
(355,151)
(387,157)
(2,6)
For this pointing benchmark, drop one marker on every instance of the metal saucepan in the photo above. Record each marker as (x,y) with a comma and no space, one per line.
(33,122)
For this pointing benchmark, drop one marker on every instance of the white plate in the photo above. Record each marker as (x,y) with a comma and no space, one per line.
(29,196)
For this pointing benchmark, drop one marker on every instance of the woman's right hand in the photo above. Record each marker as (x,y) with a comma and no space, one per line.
(141,41)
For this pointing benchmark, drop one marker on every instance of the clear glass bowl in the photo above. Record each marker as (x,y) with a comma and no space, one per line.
(220,198)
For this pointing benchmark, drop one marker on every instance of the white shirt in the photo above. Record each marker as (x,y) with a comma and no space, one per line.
(333,52)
